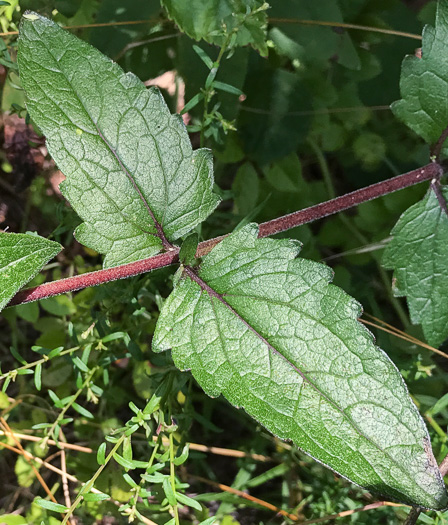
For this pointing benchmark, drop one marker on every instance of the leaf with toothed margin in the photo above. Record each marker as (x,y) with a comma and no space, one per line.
(132,175)
(424,82)
(266,330)
(418,254)
(22,255)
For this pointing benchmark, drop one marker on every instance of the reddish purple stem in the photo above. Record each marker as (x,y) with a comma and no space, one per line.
(78,282)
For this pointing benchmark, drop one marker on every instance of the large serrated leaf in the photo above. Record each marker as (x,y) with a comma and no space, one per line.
(267,330)
(21,257)
(418,254)
(424,82)
(131,171)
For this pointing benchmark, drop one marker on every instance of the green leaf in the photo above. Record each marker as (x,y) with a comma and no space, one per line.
(169,492)
(38,376)
(186,500)
(214,20)
(123,462)
(418,254)
(203,56)
(223,86)
(80,364)
(267,330)
(49,505)
(132,175)
(91,496)
(424,81)
(101,454)
(83,411)
(183,456)
(21,257)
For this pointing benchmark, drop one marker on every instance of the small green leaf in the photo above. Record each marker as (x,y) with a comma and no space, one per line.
(183,456)
(101,454)
(123,462)
(227,87)
(154,478)
(127,448)
(132,175)
(130,465)
(203,56)
(169,492)
(39,426)
(267,330)
(38,376)
(424,81)
(17,356)
(79,364)
(21,257)
(186,500)
(94,496)
(418,254)
(49,505)
(81,410)
(193,102)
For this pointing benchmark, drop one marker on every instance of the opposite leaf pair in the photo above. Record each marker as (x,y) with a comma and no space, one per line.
(253,321)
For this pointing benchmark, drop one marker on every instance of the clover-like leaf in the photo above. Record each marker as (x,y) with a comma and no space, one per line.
(21,257)
(418,254)
(132,175)
(267,330)
(424,82)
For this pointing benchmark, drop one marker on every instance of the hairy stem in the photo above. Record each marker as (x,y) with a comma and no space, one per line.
(313,213)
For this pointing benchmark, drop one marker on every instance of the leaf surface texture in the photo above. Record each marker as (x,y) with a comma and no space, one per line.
(130,168)
(267,330)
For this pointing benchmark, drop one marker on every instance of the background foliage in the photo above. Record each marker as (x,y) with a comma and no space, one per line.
(295,114)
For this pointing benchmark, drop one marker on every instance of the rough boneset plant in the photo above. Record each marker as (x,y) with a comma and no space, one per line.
(250,319)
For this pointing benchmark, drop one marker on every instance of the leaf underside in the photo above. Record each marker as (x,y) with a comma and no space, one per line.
(418,254)
(128,162)
(424,82)
(267,330)
(21,257)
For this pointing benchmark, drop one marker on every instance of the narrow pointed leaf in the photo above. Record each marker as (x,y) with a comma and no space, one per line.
(418,254)
(424,82)
(21,257)
(267,330)
(132,175)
